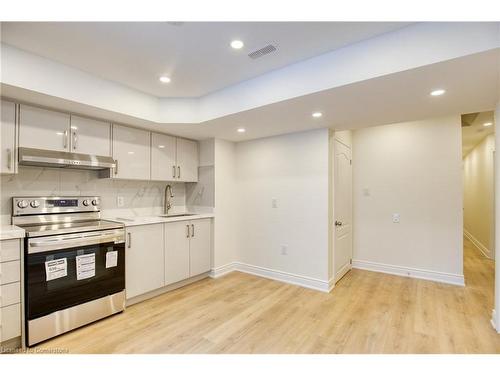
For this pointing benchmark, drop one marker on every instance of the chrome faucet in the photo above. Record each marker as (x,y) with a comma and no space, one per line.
(168,194)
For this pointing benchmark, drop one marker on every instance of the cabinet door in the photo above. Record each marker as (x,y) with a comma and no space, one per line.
(8,137)
(162,157)
(10,322)
(144,259)
(176,251)
(131,151)
(43,129)
(187,160)
(199,247)
(90,136)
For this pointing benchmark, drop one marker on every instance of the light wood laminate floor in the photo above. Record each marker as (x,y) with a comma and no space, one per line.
(367,312)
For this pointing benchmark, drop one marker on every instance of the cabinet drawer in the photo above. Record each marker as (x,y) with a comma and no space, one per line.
(10,294)
(10,319)
(10,272)
(10,250)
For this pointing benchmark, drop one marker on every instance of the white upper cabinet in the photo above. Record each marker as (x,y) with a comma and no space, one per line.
(90,136)
(187,160)
(8,138)
(163,166)
(131,152)
(44,129)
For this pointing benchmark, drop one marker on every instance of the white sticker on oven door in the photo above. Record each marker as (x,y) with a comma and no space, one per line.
(85,266)
(55,269)
(111,259)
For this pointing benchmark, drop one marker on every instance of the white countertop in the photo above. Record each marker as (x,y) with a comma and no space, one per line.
(130,221)
(9,232)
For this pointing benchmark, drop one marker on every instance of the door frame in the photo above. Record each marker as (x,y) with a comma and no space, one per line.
(333,277)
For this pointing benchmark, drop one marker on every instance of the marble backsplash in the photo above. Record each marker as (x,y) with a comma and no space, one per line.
(140,197)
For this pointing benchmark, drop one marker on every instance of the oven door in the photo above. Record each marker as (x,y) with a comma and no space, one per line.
(67,270)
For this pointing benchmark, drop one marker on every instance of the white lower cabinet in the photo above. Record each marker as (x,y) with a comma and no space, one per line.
(10,290)
(199,247)
(144,263)
(10,318)
(187,249)
(158,255)
(176,251)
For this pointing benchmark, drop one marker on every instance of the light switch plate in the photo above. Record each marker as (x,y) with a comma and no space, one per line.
(274,203)
(120,201)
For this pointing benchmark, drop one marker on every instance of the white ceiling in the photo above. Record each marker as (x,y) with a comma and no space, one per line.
(474,134)
(470,81)
(195,55)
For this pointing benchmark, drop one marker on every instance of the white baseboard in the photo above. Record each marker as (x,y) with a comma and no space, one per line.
(222,270)
(289,278)
(494,320)
(486,252)
(416,273)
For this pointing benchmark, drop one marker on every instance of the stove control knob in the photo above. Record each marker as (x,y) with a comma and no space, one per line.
(22,204)
(95,202)
(35,204)
(86,202)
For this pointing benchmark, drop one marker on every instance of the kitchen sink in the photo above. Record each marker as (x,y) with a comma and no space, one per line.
(176,215)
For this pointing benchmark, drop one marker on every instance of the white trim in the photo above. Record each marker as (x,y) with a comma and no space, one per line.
(416,273)
(222,270)
(486,252)
(493,320)
(343,271)
(285,277)
(331,284)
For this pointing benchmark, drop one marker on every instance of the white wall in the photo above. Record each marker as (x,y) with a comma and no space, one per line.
(496,313)
(293,169)
(479,195)
(414,169)
(227,198)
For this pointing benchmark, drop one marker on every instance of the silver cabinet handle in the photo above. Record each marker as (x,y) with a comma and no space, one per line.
(173,171)
(74,140)
(192,230)
(65,140)
(9,159)
(129,235)
(178,172)
(187,232)
(116,166)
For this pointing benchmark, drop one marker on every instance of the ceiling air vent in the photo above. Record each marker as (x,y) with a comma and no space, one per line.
(261,52)
(468,119)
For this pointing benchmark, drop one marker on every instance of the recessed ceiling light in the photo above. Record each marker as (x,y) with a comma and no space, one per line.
(438,92)
(317,114)
(487,124)
(164,79)
(161,146)
(237,44)
(241,130)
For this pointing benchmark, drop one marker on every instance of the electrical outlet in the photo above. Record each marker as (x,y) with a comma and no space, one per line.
(396,218)
(120,201)
(274,203)
(284,249)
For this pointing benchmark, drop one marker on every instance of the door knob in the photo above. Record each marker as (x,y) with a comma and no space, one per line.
(338,223)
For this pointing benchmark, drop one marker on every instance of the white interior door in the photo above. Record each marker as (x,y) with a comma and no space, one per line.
(342,210)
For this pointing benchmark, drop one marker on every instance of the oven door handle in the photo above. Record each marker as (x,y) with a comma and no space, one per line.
(78,239)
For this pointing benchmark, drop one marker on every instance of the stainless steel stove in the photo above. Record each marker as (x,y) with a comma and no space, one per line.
(74,264)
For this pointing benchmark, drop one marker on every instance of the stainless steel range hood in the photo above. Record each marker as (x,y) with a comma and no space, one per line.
(59,159)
